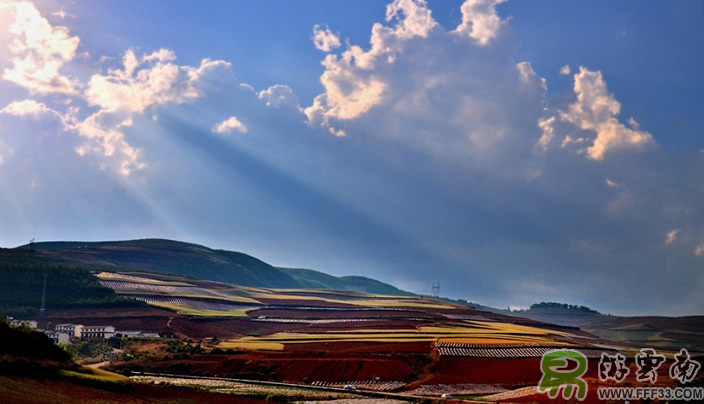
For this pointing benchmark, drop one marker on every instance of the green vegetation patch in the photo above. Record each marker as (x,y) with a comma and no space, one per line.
(67,284)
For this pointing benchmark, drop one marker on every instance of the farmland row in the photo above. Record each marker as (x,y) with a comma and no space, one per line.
(458,389)
(470,350)
(197,304)
(325,320)
(121,286)
(122,277)
(376,385)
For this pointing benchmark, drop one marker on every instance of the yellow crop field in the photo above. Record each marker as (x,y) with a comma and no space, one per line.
(192,311)
(110,276)
(251,344)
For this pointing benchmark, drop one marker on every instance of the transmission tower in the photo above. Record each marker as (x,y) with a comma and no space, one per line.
(42,309)
(436,290)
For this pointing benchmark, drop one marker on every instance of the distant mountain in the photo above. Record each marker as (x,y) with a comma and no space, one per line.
(560,313)
(179,258)
(309,279)
(673,332)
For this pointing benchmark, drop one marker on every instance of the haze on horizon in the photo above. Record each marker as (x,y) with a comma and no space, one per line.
(513,152)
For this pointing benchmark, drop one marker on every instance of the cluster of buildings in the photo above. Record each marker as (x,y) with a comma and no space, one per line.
(72,332)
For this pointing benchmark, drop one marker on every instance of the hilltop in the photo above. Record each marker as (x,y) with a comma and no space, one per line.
(197,261)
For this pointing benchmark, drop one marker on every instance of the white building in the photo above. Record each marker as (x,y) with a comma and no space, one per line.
(18,323)
(73,330)
(98,332)
(136,334)
(58,337)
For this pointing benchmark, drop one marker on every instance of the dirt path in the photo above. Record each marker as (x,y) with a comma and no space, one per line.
(426,373)
(98,365)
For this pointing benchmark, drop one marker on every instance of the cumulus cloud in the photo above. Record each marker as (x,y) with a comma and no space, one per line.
(595,112)
(480,20)
(565,70)
(279,96)
(108,139)
(413,16)
(25,108)
(351,84)
(699,250)
(437,90)
(151,79)
(39,52)
(671,236)
(230,125)
(324,39)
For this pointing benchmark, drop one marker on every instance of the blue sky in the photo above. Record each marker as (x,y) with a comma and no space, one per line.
(513,152)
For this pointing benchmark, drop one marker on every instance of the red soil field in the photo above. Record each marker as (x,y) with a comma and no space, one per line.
(22,390)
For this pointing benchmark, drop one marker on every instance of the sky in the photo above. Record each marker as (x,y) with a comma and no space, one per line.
(513,152)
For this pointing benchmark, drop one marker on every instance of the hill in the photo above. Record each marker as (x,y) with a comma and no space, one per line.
(69,284)
(310,279)
(196,261)
(673,332)
(26,351)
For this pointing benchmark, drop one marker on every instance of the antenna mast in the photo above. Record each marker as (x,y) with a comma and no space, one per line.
(436,290)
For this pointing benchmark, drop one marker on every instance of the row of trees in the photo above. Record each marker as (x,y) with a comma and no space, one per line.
(563,306)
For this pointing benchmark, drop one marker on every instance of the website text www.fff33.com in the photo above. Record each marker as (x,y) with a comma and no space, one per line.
(651,393)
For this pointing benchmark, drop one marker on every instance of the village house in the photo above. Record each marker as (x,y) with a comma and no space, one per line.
(73,330)
(98,332)
(18,323)
(58,337)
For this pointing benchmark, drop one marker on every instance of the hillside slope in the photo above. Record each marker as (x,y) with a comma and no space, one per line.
(179,258)
(68,284)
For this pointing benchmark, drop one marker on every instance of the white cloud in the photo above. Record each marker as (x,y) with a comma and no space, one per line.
(26,107)
(109,140)
(325,40)
(595,111)
(33,109)
(699,250)
(122,93)
(432,89)
(671,236)
(414,18)
(351,86)
(39,52)
(144,81)
(61,14)
(230,125)
(565,70)
(279,96)
(480,20)
(611,184)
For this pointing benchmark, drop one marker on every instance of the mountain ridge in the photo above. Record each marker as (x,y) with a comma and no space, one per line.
(198,261)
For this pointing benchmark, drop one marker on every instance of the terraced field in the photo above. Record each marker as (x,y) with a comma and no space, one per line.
(338,338)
